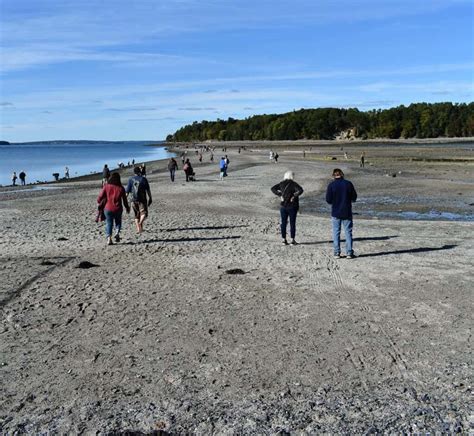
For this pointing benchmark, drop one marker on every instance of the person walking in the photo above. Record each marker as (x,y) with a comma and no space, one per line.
(188,170)
(227,162)
(222,168)
(172,167)
(105,175)
(139,188)
(114,195)
(340,194)
(362,160)
(22,176)
(66,173)
(14,177)
(288,191)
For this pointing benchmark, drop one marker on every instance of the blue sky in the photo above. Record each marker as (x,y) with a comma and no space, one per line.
(140,69)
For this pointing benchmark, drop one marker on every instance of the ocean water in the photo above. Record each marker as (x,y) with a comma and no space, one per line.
(41,159)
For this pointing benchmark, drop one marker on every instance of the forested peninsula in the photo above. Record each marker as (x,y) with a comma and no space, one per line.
(419,120)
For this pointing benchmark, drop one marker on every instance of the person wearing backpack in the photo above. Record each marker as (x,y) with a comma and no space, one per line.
(188,171)
(139,189)
(288,191)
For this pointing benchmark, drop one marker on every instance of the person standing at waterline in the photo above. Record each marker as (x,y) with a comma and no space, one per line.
(22,176)
(288,191)
(340,194)
(105,175)
(114,195)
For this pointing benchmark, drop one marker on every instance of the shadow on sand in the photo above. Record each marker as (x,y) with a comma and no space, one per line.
(371,238)
(152,241)
(409,250)
(181,229)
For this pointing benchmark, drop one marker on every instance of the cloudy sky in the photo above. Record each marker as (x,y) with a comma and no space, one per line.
(140,69)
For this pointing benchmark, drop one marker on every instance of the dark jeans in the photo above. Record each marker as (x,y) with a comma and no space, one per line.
(172,174)
(286,213)
(110,217)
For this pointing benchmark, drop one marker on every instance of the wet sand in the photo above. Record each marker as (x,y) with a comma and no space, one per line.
(207,324)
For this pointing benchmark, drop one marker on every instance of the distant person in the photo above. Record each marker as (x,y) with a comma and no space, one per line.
(362,160)
(200,157)
(114,195)
(22,176)
(227,162)
(133,162)
(212,157)
(222,168)
(143,170)
(288,191)
(341,194)
(139,188)
(271,155)
(66,173)
(14,177)
(105,175)
(172,167)
(188,170)
(276,157)
(183,158)
(345,155)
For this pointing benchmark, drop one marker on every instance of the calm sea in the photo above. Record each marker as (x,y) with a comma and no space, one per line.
(40,160)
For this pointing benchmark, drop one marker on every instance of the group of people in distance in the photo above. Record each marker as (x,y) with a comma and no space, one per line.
(340,194)
(22,177)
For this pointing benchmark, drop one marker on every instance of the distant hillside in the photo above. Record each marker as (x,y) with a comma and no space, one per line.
(419,120)
(4,143)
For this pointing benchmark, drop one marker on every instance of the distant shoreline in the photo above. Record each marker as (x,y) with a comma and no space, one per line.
(322,142)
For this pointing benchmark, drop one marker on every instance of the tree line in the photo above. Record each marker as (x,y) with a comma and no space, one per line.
(418,120)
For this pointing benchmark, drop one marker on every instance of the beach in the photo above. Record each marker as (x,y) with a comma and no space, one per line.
(207,324)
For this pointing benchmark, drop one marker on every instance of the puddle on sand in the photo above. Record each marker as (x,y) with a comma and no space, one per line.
(32,188)
(389,207)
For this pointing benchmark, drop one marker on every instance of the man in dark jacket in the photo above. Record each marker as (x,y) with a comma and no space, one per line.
(341,194)
(288,191)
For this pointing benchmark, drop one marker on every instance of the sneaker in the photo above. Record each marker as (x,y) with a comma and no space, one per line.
(293,242)
(339,256)
(351,256)
(109,241)
(284,242)
(117,238)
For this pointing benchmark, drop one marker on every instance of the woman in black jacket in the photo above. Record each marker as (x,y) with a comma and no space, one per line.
(288,191)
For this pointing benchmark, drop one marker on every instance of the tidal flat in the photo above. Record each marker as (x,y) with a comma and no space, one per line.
(207,324)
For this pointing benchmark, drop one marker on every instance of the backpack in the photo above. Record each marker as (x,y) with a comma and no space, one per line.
(136,191)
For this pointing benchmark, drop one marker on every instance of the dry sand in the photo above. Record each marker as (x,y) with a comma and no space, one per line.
(158,336)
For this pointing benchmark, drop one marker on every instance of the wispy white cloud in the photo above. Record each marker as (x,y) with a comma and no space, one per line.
(50,32)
